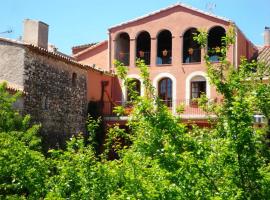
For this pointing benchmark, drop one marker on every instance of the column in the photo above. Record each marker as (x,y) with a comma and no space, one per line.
(176,51)
(132,53)
(153,52)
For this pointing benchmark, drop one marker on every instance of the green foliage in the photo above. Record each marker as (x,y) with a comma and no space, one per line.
(159,157)
(23,168)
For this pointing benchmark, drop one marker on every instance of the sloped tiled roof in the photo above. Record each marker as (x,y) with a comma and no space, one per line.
(11,86)
(83,46)
(170,7)
(264,55)
(90,48)
(55,55)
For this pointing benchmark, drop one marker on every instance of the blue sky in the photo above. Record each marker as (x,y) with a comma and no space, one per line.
(75,22)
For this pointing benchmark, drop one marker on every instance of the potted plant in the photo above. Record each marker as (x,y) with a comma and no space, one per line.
(141,54)
(165,52)
(121,55)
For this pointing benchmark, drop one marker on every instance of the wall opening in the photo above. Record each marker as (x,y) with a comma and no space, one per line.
(143,47)
(197,88)
(134,88)
(164,48)
(122,48)
(165,91)
(191,49)
(215,43)
(74,79)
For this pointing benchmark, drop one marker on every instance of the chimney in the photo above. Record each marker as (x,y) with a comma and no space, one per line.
(267,36)
(36,33)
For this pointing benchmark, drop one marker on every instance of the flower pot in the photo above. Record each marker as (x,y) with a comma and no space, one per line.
(141,54)
(165,52)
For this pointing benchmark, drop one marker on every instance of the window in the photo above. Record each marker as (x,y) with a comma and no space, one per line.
(191,49)
(122,47)
(45,103)
(165,91)
(198,87)
(143,50)
(164,48)
(135,85)
(74,79)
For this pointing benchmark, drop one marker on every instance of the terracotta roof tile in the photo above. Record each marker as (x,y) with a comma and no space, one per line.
(84,46)
(55,55)
(90,48)
(264,55)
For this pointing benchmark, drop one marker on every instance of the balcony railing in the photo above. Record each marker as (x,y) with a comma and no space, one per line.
(191,108)
(123,58)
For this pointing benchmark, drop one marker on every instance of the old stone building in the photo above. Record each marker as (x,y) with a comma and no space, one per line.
(54,86)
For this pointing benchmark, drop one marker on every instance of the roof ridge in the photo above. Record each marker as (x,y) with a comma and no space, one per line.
(90,48)
(170,7)
(84,45)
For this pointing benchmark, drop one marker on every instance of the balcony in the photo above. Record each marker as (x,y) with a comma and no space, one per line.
(191,108)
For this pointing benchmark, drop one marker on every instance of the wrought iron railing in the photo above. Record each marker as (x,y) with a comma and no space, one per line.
(190,108)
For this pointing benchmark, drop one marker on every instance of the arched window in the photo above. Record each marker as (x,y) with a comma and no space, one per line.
(143,47)
(215,43)
(122,47)
(135,86)
(165,91)
(198,87)
(164,48)
(191,49)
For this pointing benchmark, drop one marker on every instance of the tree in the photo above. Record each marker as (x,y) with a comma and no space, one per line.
(159,158)
(23,168)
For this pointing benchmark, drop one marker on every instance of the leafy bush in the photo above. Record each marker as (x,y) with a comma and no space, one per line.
(159,157)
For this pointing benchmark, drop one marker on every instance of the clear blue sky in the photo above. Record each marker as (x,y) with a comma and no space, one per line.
(75,22)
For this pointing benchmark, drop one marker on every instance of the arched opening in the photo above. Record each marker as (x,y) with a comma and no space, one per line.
(191,49)
(164,48)
(215,43)
(198,87)
(165,91)
(134,88)
(122,48)
(143,50)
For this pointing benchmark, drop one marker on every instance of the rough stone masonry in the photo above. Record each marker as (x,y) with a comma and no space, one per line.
(54,89)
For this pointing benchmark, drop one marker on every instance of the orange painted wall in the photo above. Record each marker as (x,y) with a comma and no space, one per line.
(97,56)
(94,87)
(245,48)
(177,20)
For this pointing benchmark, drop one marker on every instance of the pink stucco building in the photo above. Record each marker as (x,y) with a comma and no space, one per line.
(164,39)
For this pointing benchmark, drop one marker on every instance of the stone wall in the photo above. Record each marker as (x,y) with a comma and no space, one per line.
(56,96)
(11,63)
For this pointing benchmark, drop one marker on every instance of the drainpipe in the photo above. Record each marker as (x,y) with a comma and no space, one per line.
(109,49)
(236,48)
